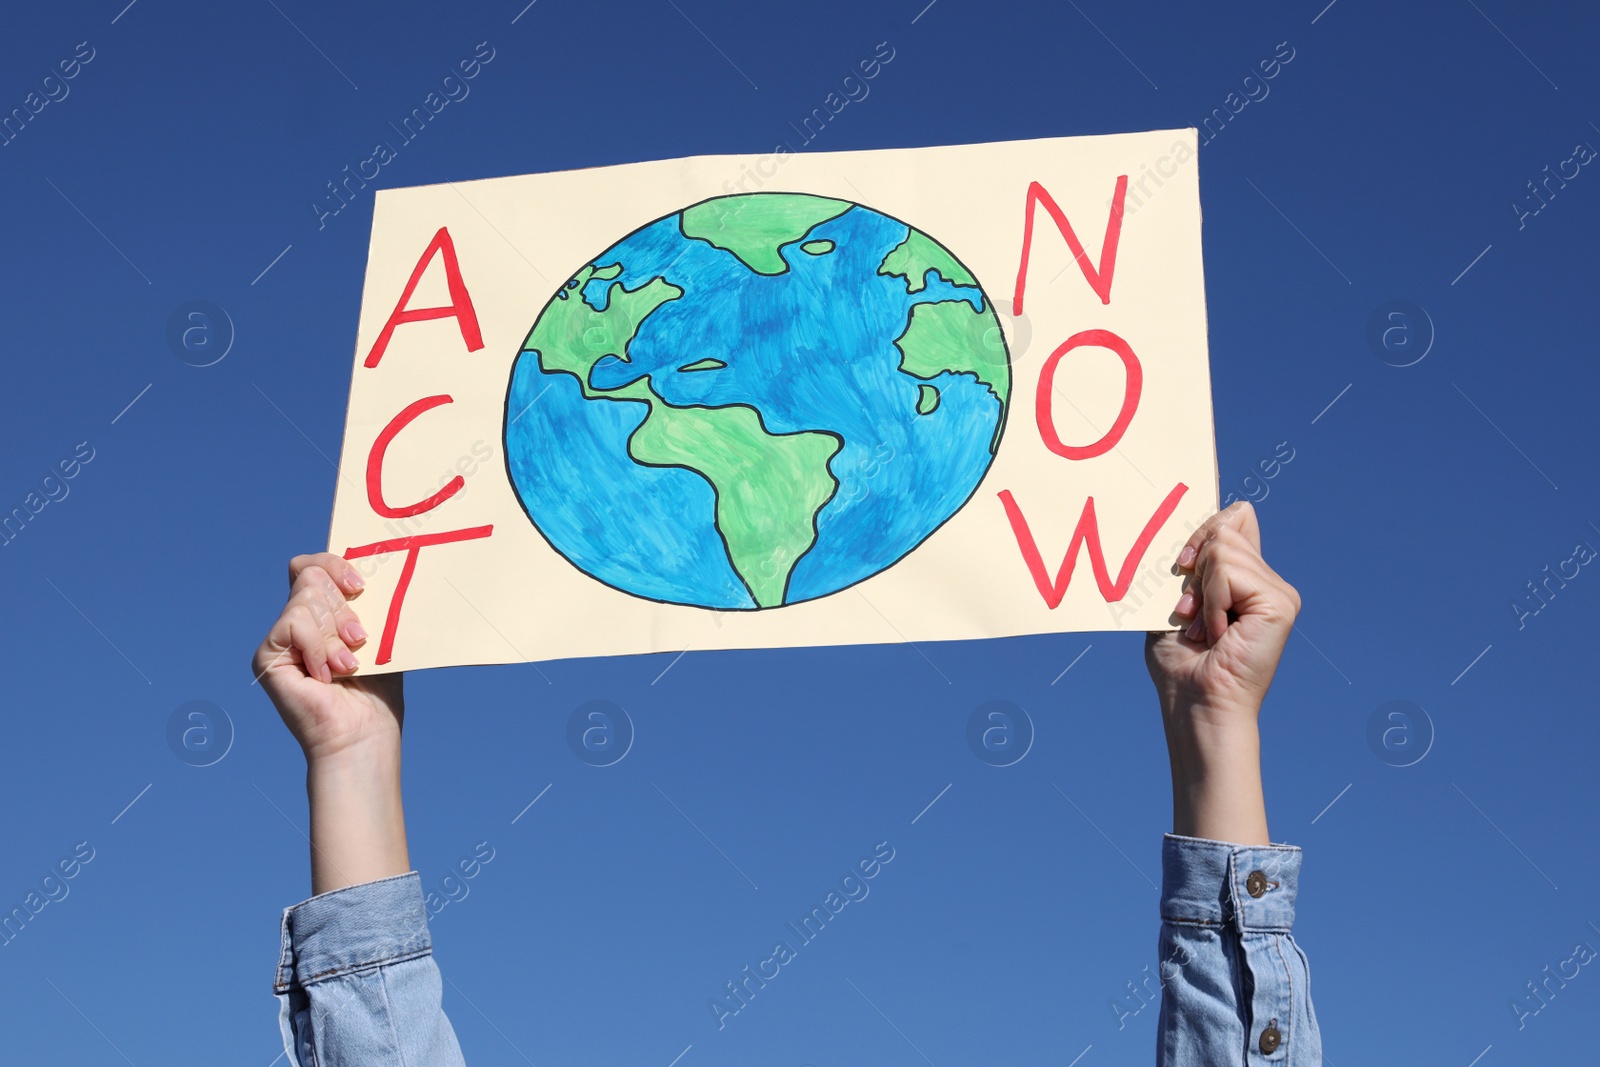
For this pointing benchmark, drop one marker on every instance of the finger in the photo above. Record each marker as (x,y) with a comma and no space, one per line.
(1239,516)
(325,614)
(277,647)
(1216,576)
(345,621)
(1245,520)
(1195,630)
(1273,595)
(1235,582)
(1191,622)
(304,635)
(340,570)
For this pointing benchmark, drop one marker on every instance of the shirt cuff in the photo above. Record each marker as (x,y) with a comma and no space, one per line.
(1214,883)
(352,929)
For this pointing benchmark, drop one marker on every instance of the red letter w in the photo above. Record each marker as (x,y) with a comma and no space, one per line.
(1088,531)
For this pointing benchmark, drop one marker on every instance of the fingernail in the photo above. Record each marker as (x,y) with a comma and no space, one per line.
(347,662)
(1186,557)
(1185,604)
(1194,631)
(357,634)
(353,580)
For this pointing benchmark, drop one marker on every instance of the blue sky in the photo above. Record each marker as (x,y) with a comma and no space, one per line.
(1382,164)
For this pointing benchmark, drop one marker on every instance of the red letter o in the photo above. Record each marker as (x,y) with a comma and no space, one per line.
(1130,396)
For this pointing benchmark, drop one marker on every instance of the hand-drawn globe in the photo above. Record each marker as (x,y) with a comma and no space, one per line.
(759,400)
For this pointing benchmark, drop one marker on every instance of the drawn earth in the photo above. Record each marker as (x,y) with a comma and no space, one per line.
(759,400)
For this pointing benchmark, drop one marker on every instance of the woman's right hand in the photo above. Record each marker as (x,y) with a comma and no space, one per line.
(307,665)
(347,725)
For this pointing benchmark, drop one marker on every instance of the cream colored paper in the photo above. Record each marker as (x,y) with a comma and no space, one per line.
(510,597)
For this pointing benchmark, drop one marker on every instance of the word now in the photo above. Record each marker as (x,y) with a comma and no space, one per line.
(1087,533)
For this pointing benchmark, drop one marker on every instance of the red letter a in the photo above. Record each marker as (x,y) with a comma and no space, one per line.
(1099,280)
(460,305)
(1088,531)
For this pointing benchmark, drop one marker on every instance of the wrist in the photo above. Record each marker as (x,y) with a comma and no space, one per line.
(359,747)
(371,757)
(1202,733)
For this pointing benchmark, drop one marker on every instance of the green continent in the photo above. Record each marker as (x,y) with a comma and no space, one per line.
(927,400)
(755,225)
(769,486)
(571,336)
(817,248)
(914,257)
(950,336)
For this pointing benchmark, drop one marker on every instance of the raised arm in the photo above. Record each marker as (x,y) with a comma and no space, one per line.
(356,979)
(1235,986)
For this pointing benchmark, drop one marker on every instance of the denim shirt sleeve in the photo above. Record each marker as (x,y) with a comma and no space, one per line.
(1236,989)
(356,981)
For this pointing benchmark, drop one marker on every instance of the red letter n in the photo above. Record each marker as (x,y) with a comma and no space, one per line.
(1088,531)
(460,306)
(1099,280)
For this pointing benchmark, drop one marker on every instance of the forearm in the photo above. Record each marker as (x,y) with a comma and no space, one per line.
(356,976)
(358,831)
(1232,976)
(1216,775)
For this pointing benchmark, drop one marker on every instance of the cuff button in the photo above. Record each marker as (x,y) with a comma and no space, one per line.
(1256,885)
(1270,1040)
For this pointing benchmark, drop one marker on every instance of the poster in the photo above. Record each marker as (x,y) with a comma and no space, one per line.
(798,399)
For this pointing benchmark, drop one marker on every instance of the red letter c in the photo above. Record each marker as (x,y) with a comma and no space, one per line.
(375,464)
